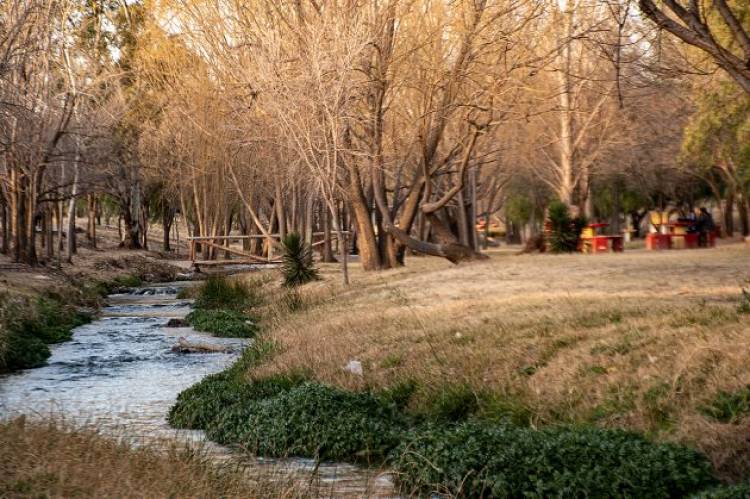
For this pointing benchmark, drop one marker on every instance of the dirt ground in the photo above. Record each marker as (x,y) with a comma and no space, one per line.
(639,340)
(104,263)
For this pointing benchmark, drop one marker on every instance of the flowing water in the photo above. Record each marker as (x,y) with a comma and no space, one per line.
(120,374)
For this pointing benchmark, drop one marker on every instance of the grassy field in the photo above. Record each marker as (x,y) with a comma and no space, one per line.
(653,342)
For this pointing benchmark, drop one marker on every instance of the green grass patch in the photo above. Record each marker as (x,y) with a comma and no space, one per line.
(224,323)
(728,407)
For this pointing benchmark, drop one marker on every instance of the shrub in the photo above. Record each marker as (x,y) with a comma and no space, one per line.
(728,407)
(481,460)
(218,292)
(225,323)
(297,266)
(564,230)
(24,351)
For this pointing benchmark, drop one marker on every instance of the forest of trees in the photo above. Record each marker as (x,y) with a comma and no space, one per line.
(402,122)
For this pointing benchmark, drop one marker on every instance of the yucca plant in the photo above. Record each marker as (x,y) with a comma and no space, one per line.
(297,266)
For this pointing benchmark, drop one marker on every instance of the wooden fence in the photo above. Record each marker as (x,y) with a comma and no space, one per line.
(222,246)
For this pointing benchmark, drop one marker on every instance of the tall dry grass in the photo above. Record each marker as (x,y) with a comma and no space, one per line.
(637,340)
(53,460)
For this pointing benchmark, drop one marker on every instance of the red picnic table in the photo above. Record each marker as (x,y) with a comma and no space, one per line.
(678,237)
(594,241)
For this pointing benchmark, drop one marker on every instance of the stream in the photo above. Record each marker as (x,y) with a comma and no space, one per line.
(119,374)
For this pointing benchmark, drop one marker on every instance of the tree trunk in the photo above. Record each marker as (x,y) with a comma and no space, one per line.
(72,212)
(327,250)
(743,205)
(4,213)
(91,226)
(729,214)
(367,244)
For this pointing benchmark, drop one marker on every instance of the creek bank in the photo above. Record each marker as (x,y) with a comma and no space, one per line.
(293,415)
(32,321)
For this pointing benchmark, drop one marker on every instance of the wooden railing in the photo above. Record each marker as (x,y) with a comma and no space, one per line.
(221,245)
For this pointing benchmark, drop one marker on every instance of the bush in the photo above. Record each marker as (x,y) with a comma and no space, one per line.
(24,351)
(564,230)
(218,292)
(297,266)
(225,323)
(482,460)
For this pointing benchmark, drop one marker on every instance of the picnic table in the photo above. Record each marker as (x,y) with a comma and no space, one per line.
(593,240)
(678,234)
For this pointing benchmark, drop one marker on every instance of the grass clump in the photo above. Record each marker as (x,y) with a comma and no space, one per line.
(218,292)
(728,407)
(224,323)
(744,306)
(127,281)
(482,460)
(297,267)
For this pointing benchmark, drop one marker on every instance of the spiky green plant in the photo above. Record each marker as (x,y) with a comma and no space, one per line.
(297,266)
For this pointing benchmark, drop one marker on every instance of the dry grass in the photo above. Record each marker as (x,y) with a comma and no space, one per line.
(637,340)
(50,460)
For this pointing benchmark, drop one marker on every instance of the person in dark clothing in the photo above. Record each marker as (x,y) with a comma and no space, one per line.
(705,225)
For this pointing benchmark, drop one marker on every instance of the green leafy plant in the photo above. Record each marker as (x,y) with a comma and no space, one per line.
(482,460)
(297,266)
(739,491)
(312,420)
(224,323)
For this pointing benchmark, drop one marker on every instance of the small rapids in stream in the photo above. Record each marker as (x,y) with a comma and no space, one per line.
(119,373)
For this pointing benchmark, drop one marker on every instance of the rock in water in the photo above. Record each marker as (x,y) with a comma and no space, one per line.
(177,323)
(185,346)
